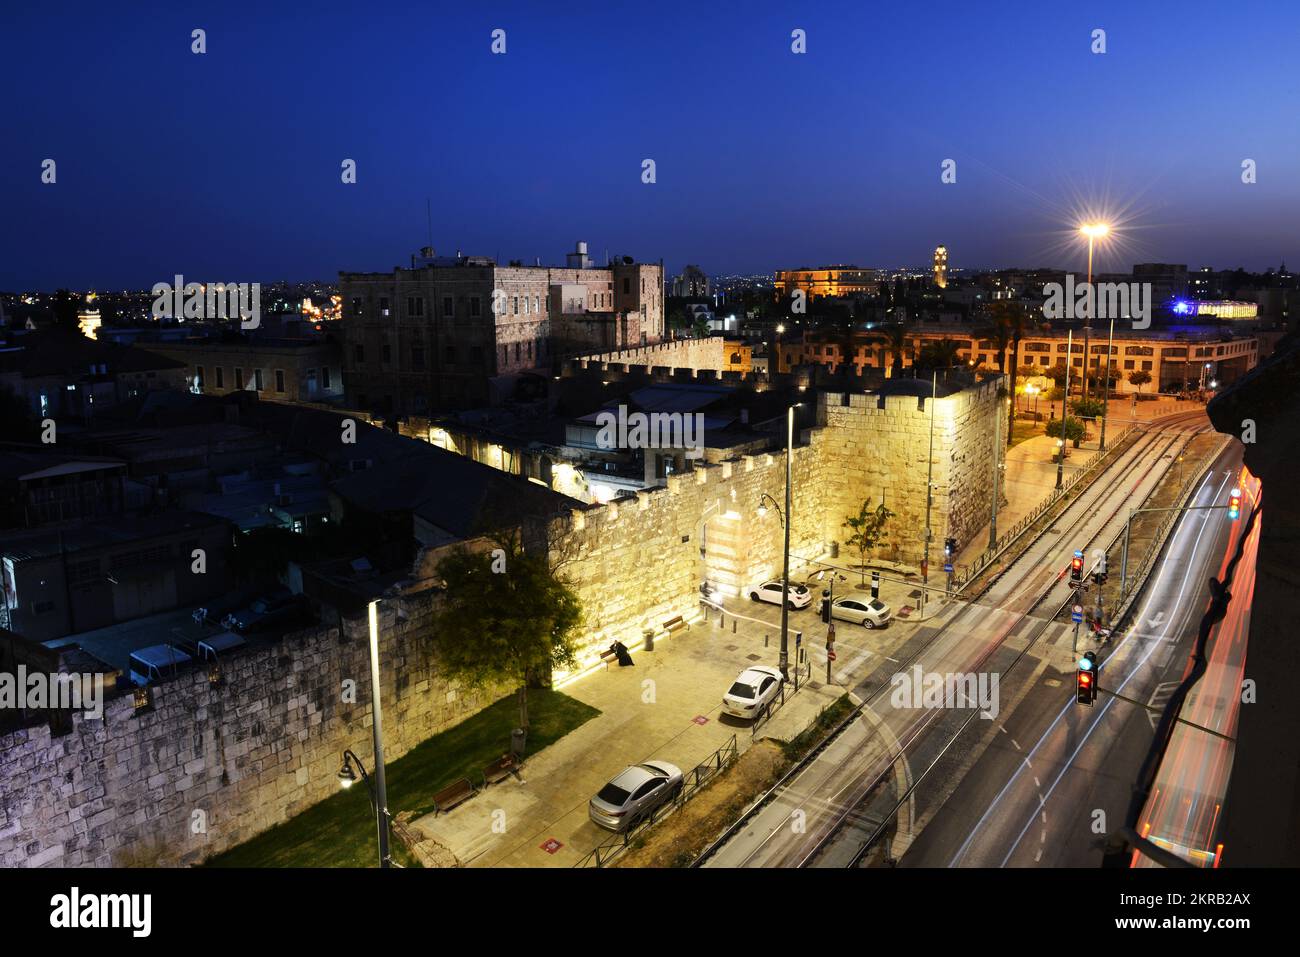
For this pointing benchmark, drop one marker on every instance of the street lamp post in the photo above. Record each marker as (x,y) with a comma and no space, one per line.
(929,490)
(381,789)
(1093,231)
(784,661)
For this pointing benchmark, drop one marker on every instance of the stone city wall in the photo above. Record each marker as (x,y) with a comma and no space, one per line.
(206,768)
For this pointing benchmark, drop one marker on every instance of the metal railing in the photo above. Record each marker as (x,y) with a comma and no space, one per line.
(1006,540)
(692,782)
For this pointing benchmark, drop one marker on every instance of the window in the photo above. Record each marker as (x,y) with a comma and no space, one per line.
(1147,366)
(356,306)
(198,378)
(386,354)
(1128,363)
(516,352)
(257,380)
(383,305)
(448,306)
(221,377)
(239,378)
(415,306)
(324,377)
(417,357)
(473,306)
(279,380)
(627,286)
(451,355)
(359,354)
(476,355)
(514,305)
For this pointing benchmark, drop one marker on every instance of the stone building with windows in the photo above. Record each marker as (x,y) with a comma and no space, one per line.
(456,332)
(286,370)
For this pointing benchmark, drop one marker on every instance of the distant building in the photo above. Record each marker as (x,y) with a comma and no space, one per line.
(63,374)
(287,370)
(94,574)
(454,331)
(692,284)
(828,281)
(941,267)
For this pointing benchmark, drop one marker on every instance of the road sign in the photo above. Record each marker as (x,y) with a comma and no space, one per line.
(1076,614)
(947,566)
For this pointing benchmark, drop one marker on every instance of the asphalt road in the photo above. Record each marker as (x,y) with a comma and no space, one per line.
(848,797)
(1059,775)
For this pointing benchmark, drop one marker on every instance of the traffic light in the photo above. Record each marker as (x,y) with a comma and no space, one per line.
(1085,679)
(1076,567)
(826,605)
(1234,504)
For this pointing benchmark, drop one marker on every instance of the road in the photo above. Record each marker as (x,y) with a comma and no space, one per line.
(1059,775)
(918,721)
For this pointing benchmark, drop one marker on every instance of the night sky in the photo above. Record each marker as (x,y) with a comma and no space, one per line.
(226,166)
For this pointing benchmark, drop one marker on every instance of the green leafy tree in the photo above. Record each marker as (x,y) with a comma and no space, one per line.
(1074,430)
(1087,408)
(868,528)
(894,338)
(1139,377)
(507,617)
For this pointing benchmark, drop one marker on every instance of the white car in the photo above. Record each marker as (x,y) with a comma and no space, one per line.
(770,591)
(868,612)
(752,691)
(634,794)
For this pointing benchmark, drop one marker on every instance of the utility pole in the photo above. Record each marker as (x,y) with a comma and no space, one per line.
(1105,408)
(784,662)
(929,491)
(997,468)
(1065,409)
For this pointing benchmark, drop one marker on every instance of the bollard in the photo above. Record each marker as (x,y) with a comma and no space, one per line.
(733,625)
(765,641)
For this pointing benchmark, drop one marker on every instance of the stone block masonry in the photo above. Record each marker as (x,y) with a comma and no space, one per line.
(638,561)
(208,767)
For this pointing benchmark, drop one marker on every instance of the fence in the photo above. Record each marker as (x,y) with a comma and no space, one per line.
(990,554)
(692,781)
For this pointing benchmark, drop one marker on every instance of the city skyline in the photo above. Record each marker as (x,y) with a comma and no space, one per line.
(865,167)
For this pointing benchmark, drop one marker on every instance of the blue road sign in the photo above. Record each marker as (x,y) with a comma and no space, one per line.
(1076,614)
(947,566)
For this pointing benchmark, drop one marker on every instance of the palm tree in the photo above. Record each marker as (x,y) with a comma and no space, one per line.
(894,338)
(940,354)
(1011,322)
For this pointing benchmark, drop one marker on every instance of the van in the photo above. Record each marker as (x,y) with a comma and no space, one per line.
(153,664)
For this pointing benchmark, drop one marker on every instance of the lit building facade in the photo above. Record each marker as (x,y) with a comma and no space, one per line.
(941,267)
(828,281)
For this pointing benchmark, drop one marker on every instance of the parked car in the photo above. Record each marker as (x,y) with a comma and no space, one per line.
(770,591)
(153,664)
(868,612)
(753,689)
(282,607)
(634,794)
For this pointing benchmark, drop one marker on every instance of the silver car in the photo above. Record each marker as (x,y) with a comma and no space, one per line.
(753,690)
(634,794)
(868,612)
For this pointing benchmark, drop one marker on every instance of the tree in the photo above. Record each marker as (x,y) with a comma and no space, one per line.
(1139,377)
(940,354)
(1074,430)
(1010,322)
(894,337)
(868,528)
(507,617)
(1088,408)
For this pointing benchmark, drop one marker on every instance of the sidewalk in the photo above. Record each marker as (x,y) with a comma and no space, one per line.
(667,707)
(1030,474)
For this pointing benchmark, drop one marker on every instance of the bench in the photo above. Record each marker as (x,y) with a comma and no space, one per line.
(500,769)
(453,794)
(676,624)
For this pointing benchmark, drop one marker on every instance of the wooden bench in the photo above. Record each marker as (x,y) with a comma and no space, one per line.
(500,769)
(676,624)
(453,794)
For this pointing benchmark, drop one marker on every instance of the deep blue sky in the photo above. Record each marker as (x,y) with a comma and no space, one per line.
(226,166)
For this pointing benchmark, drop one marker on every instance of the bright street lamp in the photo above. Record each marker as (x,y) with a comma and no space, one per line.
(1093,231)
